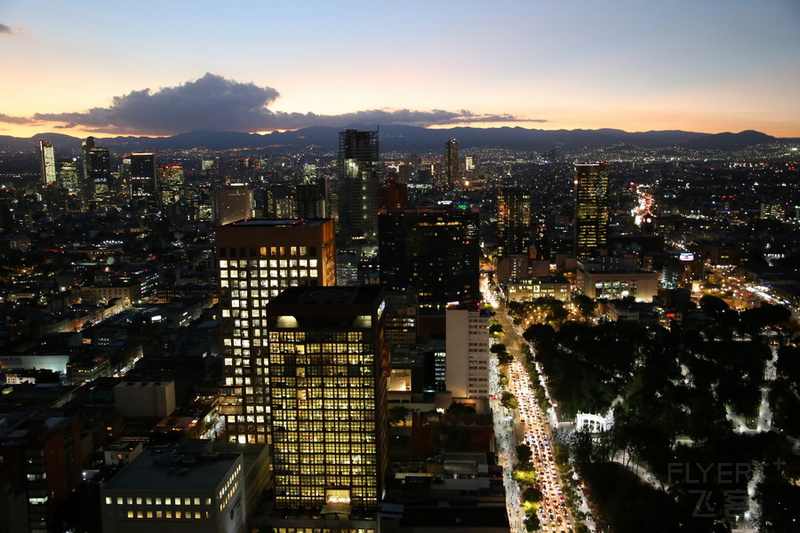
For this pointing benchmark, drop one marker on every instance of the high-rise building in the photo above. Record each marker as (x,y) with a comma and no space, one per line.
(467,348)
(451,164)
(69,177)
(513,221)
(143,182)
(278,201)
(233,202)
(170,183)
(96,172)
(326,388)
(312,195)
(41,468)
(47,158)
(257,260)
(435,251)
(359,185)
(470,162)
(590,235)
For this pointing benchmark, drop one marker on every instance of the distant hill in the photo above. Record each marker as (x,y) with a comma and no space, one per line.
(403,139)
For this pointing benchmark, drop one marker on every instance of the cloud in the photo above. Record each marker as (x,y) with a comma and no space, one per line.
(14,120)
(215,103)
(5,29)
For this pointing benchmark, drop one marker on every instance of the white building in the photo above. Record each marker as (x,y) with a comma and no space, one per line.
(467,347)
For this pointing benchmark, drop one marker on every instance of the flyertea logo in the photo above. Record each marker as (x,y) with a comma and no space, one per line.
(735,501)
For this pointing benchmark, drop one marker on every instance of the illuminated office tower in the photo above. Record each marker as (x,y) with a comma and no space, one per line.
(257,260)
(232,203)
(69,177)
(451,169)
(590,235)
(47,158)
(513,221)
(359,185)
(96,172)
(326,381)
(143,182)
(470,162)
(170,183)
(434,251)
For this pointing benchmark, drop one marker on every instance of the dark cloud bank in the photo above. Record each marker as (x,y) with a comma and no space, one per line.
(215,103)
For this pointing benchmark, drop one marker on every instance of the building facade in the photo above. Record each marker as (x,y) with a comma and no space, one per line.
(176,491)
(96,172)
(327,370)
(467,349)
(590,228)
(358,169)
(435,251)
(452,170)
(258,259)
(143,181)
(233,203)
(513,221)
(47,160)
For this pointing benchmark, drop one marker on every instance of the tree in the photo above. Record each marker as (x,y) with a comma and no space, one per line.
(508,400)
(498,347)
(457,408)
(712,305)
(586,306)
(532,494)
(496,329)
(524,453)
(398,415)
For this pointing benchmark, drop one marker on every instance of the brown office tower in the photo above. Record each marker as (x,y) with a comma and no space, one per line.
(326,389)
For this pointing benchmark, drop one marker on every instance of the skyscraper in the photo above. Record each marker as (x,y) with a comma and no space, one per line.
(358,166)
(69,177)
(233,202)
(513,221)
(434,251)
(143,182)
(257,260)
(328,366)
(47,158)
(590,234)
(312,195)
(170,183)
(451,165)
(96,172)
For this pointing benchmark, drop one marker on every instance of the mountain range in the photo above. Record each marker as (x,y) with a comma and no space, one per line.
(401,138)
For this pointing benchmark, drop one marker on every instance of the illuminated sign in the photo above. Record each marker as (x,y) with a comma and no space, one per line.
(686,256)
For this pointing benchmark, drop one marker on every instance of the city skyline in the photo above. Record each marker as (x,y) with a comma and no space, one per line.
(711,67)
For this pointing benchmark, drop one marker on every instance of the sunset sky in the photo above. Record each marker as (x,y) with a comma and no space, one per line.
(160,68)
